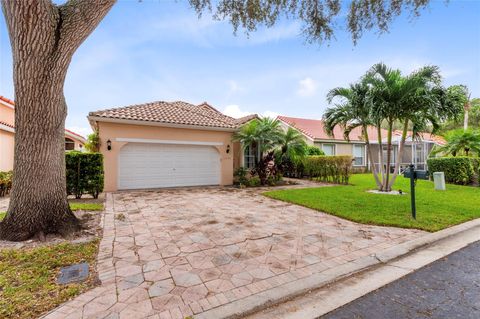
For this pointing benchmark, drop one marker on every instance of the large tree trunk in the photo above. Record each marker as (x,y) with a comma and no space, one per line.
(44,38)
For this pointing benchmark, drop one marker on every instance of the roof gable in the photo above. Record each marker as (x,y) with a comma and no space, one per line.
(177,112)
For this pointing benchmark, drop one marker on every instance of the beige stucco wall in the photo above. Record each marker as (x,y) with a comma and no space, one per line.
(7,113)
(7,143)
(344,149)
(112,131)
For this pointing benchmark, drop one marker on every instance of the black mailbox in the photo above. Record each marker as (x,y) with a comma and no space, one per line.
(421,174)
(418,174)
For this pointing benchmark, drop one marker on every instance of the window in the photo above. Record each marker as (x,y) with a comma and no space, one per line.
(359,155)
(69,144)
(328,149)
(250,157)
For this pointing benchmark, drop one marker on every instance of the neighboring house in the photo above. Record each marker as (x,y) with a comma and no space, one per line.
(167,144)
(416,150)
(73,141)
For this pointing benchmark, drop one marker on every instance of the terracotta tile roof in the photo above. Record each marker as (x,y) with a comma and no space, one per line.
(4,99)
(7,124)
(177,112)
(245,119)
(315,130)
(80,137)
(424,136)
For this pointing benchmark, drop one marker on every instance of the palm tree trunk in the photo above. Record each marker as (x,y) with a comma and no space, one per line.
(44,38)
(401,149)
(370,156)
(380,156)
(386,187)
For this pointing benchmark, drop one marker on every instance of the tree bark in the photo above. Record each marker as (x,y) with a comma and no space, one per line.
(44,38)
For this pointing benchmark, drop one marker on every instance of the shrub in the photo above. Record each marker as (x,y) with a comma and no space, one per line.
(312,150)
(84,173)
(5,182)
(254,181)
(458,170)
(331,169)
(240,176)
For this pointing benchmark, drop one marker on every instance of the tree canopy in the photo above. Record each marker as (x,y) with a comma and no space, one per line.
(318,17)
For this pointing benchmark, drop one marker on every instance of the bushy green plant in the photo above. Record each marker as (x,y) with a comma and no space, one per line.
(312,150)
(331,169)
(254,181)
(459,170)
(240,176)
(84,173)
(5,182)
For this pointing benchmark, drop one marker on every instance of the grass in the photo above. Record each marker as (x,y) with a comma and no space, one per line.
(28,278)
(86,206)
(74,207)
(436,210)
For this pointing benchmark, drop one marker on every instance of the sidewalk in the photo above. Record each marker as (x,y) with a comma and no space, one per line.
(330,297)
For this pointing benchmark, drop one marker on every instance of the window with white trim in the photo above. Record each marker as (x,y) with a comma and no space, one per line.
(250,157)
(328,149)
(359,155)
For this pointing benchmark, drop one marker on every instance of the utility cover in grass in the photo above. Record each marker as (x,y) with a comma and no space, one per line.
(73,273)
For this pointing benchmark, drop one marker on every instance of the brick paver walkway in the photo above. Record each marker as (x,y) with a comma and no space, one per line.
(176,253)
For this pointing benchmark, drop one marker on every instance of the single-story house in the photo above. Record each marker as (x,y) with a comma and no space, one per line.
(73,141)
(416,150)
(167,144)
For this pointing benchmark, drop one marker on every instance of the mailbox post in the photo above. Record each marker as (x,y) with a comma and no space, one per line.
(414,175)
(412,190)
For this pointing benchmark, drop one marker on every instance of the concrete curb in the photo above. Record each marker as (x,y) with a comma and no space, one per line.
(251,304)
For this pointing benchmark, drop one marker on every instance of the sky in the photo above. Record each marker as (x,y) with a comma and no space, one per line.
(146,51)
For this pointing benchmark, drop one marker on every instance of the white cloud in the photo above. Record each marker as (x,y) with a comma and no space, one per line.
(234,87)
(271,114)
(235,111)
(308,87)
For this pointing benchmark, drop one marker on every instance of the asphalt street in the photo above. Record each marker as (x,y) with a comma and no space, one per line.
(447,288)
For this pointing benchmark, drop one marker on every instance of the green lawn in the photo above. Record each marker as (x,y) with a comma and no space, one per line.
(435,209)
(28,278)
(76,206)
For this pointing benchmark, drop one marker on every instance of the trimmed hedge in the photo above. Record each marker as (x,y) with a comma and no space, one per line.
(84,173)
(459,170)
(5,182)
(330,169)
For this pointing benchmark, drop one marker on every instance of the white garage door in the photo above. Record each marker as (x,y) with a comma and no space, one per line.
(167,165)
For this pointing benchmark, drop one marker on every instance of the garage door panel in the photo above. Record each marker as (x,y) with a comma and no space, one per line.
(166,165)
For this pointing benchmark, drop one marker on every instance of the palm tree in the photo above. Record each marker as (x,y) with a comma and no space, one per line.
(416,100)
(460,142)
(264,134)
(292,143)
(291,149)
(353,110)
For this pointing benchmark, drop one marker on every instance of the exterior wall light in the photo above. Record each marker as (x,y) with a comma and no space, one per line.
(228,148)
(109,145)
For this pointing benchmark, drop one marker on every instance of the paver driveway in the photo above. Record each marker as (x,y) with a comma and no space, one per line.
(175,253)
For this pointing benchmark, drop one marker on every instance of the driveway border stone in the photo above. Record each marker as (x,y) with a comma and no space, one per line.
(274,296)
